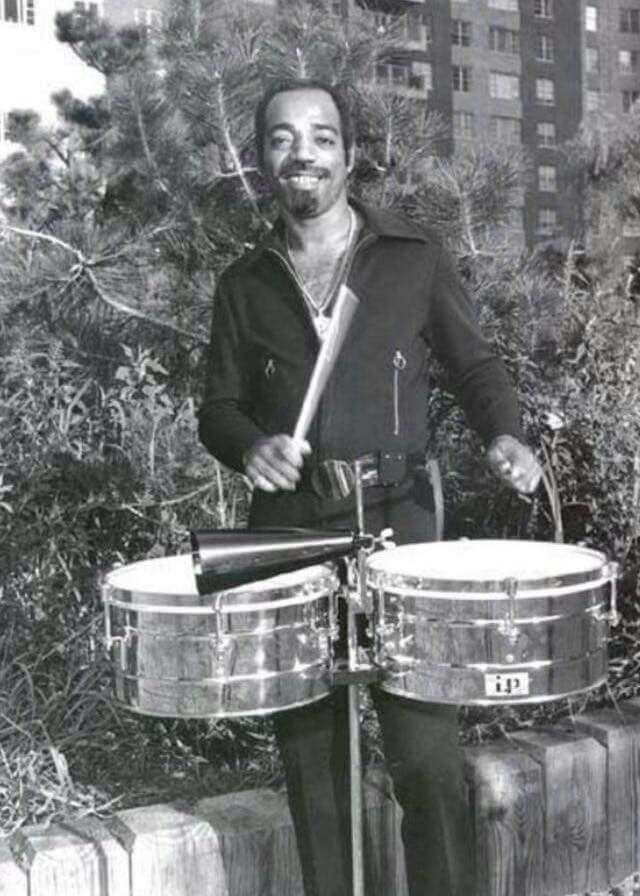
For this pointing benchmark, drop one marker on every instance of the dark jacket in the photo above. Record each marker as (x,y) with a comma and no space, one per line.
(263,347)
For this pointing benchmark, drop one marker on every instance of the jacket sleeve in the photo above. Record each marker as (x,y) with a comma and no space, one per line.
(225,425)
(478,377)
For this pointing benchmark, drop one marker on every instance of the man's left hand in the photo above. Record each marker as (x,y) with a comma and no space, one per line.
(514,463)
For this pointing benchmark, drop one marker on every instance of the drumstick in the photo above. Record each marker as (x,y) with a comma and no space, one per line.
(345,308)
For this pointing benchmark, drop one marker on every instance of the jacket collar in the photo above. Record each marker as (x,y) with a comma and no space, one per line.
(377,221)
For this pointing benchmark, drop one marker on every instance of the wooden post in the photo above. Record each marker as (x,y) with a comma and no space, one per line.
(384,851)
(171,853)
(506,799)
(574,788)
(58,862)
(256,851)
(13,879)
(114,869)
(619,733)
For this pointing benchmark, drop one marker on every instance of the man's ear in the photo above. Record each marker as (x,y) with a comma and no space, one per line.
(351,158)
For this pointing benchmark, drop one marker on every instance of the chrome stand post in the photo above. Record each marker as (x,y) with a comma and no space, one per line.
(355,767)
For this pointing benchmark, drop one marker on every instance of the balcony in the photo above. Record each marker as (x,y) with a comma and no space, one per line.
(409,30)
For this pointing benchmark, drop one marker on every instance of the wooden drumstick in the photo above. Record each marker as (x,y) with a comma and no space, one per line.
(345,307)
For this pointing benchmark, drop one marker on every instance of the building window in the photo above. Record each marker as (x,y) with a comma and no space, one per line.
(592,100)
(505,130)
(22,12)
(147,18)
(416,76)
(592,60)
(460,33)
(463,125)
(546,133)
(507,5)
(547,221)
(85,11)
(591,18)
(504,87)
(412,26)
(391,75)
(544,48)
(547,178)
(503,40)
(461,78)
(629,97)
(629,20)
(628,61)
(543,8)
(421,76)
(545,91)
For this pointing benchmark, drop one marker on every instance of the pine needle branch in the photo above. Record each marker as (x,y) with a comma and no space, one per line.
(84,265)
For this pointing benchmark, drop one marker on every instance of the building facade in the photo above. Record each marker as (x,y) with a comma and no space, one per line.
(521,73)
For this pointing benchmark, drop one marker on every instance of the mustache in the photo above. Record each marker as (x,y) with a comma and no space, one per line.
(293,170)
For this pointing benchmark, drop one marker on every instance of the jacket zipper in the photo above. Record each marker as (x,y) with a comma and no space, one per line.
(399,364)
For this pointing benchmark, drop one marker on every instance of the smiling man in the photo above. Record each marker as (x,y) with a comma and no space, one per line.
(270,312)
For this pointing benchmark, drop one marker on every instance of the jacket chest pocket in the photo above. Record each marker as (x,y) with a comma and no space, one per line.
(398,368)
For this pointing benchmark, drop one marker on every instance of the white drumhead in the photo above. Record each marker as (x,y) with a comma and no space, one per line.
(175,575)
(487,560)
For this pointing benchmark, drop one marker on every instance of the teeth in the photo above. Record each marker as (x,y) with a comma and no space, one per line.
(303,180)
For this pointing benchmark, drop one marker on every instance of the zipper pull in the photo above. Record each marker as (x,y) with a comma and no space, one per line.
(269,368)
(399,363)
(399,360)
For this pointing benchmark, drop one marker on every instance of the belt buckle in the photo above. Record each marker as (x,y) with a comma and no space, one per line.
(392,467)
(333,479)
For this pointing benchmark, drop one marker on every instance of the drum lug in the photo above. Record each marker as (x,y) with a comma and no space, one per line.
(612,616)
(111,640)
(507,626)
(219,638)
(124,641)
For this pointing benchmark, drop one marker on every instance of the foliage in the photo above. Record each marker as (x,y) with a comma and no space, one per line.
(117,223)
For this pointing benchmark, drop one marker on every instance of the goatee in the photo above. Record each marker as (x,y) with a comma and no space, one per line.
(303,204)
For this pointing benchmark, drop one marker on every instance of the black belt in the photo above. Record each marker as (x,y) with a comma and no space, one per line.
(334,478)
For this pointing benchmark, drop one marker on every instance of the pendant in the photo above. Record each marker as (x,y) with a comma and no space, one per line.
(321,323)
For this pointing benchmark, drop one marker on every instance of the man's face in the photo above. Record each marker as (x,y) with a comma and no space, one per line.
(304,157)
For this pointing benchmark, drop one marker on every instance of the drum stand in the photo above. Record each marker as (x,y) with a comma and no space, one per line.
(357,603)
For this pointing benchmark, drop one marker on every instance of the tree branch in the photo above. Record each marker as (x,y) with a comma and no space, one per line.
(85,265)
(147,149)
(233,152)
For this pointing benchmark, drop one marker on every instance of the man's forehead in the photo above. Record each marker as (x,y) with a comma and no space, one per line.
(308,103)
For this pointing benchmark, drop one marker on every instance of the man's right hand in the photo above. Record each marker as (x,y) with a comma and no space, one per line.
(274,462)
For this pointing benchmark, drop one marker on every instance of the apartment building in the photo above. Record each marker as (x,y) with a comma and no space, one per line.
(521,73)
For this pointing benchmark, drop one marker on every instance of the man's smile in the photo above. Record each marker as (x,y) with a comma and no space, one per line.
(304,181)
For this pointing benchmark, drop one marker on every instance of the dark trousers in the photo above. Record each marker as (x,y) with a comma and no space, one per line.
(420,739)
(425,763)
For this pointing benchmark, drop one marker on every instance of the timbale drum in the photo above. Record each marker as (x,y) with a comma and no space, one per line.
(483,622)
(247,651)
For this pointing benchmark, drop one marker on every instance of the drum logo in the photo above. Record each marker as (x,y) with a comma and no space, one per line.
(506,684)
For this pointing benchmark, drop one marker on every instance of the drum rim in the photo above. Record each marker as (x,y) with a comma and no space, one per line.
(378,577)
(324,580)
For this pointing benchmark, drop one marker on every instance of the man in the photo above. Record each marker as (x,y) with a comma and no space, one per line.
(269,315)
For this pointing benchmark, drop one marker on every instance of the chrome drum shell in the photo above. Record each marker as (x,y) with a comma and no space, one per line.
(490,621)
(252,650)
